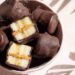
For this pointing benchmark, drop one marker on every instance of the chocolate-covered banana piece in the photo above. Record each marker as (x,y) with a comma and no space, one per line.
(13,9)
(46,19)
(41,14)
(47,46)
(18,11)
(22,21)
(53,24)
(3,40)
(1,21)
(19,56)
(23,30)
(37,13)
(5,7)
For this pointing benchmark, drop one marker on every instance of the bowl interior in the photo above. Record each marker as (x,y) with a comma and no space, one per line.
(35,62)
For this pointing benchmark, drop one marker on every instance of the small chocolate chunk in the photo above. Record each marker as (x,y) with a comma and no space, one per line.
(53,24)
(19,56)
(18,11)
(47,46)
(3,40)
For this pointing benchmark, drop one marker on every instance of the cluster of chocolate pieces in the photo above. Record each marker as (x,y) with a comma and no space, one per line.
(26,26)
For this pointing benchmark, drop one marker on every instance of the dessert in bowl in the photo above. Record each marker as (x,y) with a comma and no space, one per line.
(33,35)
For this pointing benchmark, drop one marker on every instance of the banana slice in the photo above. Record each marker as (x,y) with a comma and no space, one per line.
(17,63)
(23,28)
(19,55)
(14,27)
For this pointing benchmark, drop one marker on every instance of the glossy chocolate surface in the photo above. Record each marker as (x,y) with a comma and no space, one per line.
(3,40)
(47,46)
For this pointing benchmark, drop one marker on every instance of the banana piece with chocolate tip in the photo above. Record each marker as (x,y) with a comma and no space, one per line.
(19,56)
(23,29)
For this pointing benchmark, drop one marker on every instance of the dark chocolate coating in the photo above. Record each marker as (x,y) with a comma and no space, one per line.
(53,24)
(4,9)
(6,6)
(13,10)
(46,17)
(42,15)
(1,21)
(37,13)
(3,40)
(32,4)
(16,67)
(47,45)
(18,11)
